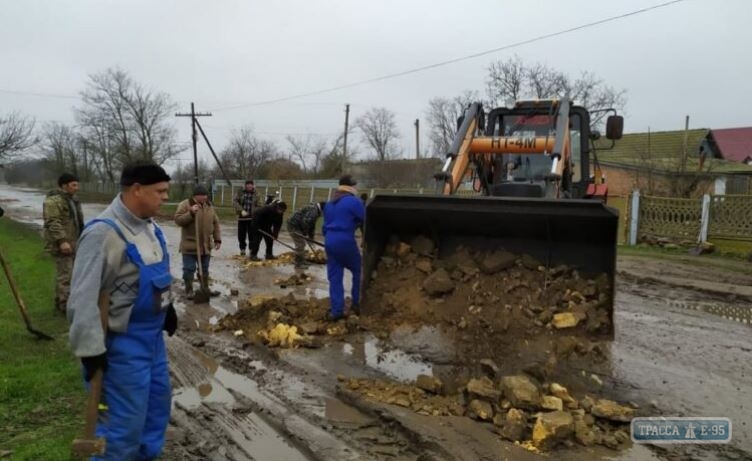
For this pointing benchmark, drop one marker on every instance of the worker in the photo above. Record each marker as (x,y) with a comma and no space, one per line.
(63,223)
(302,225)
(123,264)
(197,210)
(267,219)
(342,216)
(245,203)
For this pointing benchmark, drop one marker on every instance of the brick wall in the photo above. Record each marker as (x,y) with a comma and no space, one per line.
(622,181)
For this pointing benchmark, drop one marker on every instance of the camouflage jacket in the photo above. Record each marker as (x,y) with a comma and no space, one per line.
(304,220)
(63,220)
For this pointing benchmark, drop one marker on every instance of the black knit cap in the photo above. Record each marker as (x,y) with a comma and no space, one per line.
(248,181)
(66,178)
(347,180)
(200,190)
(144,173)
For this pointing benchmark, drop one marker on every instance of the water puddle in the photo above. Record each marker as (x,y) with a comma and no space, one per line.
(393,362)
(338,411)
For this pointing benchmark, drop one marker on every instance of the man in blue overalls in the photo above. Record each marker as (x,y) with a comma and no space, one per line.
(342,216)
(121,281)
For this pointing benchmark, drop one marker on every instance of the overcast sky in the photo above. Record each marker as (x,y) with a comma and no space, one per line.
(689,58)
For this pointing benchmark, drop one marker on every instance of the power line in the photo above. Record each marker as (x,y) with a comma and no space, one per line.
(40,95)
(451,61)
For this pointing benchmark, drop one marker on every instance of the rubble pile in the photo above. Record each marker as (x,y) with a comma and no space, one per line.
(497,292)
(286,321)
(538,416)
(314,257)
(294,280)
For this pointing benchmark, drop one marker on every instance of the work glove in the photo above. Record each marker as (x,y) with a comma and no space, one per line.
(92,364)
(244,213)
(171,321)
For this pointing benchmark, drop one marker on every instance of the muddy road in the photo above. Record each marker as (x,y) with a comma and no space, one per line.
(681,348)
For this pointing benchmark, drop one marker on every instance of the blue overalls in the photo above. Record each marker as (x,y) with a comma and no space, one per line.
(341,218)
(136,385)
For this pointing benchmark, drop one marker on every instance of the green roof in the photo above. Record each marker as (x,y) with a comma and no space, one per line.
(662,150)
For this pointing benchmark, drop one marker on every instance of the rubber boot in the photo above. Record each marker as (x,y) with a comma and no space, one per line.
(212,293)
(188,288)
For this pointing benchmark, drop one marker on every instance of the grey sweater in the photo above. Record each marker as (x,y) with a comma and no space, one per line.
(102,265)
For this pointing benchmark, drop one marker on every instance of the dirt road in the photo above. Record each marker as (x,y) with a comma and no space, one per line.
(681,349)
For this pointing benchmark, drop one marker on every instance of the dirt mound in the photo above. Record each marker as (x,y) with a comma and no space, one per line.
(512,301)
(541,417)
(293,280)
(286,321)
(314,257)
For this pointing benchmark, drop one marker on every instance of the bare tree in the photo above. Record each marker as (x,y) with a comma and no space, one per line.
(245,153)
(442,116)
(122,121)
(61,147)
(308,151)
(512,79)
(379,130)
(16,134)
(506,81)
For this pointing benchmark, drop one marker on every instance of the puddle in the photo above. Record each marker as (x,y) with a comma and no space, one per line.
(393,362)
(336,410)
(260,441)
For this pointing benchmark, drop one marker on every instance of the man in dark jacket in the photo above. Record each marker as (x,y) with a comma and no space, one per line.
(302,224)
(342,216)
(268,219)
(245,204)
(63,223)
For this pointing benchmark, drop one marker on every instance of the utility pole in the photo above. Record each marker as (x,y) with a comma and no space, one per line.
(417,138)
(194,136)
(344,143)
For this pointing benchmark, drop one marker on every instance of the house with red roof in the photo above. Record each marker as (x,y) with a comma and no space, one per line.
(732,144)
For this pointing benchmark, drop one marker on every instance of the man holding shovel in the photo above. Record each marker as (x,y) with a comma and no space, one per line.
(301,226)
(119,305)
(199,233)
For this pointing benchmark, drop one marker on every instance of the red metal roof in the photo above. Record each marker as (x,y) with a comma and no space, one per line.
(734,143)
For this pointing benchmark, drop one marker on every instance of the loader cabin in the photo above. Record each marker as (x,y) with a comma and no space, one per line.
(529,160)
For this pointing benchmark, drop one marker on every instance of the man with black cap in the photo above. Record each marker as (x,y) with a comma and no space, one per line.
(342,216)
(245,204)
(119,305)
(63,223)
(192,212)
(267,219)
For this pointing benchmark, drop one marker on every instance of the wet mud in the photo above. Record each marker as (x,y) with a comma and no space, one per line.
(673,354)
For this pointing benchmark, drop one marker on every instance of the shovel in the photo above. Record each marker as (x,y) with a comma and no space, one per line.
(90,444)
(309,240)
(202,295)
(19,301)
(276,239)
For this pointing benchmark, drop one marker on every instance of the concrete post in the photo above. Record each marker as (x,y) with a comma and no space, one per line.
(294,197)
(633,221)
(704,219)
(313,193)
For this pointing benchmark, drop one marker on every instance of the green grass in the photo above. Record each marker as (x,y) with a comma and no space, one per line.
(41,392)
(709,261)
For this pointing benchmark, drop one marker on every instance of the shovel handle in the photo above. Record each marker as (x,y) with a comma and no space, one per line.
(275,239)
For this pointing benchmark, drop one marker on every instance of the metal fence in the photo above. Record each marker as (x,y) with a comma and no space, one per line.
(298,196)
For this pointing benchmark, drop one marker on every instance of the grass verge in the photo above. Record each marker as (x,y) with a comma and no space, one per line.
(735,264)
(41,392)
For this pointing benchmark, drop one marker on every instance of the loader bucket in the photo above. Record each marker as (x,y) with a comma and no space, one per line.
(577,233)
